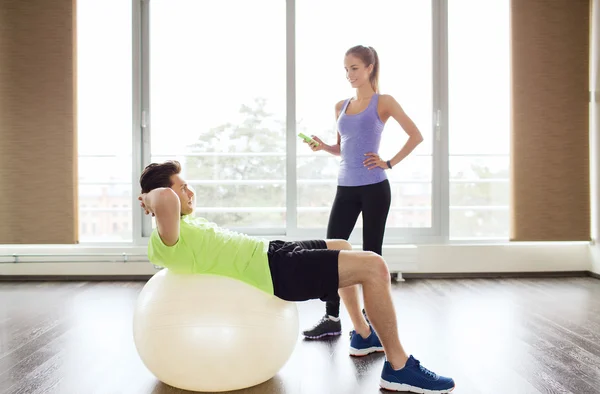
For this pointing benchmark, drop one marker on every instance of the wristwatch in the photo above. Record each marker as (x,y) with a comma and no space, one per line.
(389,164)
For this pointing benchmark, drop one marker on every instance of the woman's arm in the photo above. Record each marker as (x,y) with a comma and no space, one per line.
(333,149)
(389,107)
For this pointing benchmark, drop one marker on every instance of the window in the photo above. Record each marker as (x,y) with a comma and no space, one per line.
(400,30)
(479,118)
(218,99)
(104,93)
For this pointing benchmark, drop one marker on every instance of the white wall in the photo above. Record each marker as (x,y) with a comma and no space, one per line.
(513,257)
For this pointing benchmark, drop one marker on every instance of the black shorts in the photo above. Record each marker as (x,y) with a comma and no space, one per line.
(304,270)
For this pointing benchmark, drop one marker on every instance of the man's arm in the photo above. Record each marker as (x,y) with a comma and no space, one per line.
(163,203)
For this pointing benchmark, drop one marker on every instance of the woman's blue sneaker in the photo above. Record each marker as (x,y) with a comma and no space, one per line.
(360,346)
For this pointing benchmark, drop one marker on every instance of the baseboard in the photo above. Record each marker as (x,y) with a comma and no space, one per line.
(449,275)
(74,278)
(593,274)
(496,275)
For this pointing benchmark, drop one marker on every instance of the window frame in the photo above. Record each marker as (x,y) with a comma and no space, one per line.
(438,232)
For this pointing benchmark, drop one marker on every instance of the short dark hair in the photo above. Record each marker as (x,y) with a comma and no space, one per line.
(157,175)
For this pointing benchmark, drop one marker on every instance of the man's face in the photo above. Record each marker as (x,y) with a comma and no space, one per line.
(186,194)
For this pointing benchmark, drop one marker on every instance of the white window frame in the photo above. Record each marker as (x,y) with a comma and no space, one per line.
(439,230)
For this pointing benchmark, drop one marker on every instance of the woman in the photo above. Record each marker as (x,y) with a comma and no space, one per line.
(363,186)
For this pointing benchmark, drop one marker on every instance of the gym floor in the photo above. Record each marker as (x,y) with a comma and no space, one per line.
(490,335)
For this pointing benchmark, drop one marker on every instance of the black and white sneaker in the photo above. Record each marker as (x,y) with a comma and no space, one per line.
(325,327)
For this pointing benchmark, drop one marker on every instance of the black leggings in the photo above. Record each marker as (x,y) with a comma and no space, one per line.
(374,203)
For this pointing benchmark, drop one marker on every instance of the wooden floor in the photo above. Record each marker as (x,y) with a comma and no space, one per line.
(491,336)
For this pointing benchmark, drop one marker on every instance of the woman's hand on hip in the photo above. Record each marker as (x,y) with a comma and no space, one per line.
(373,161)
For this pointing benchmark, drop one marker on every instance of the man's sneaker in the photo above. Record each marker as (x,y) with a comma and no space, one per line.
(360,346)
(414,378)
(323,328)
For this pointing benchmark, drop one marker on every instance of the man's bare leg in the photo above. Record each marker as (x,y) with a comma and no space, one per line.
(370,270)
(350,295)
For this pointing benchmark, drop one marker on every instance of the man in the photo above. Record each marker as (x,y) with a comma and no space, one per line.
(293,271)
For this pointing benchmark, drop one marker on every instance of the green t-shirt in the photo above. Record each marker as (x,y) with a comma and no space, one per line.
(205,248)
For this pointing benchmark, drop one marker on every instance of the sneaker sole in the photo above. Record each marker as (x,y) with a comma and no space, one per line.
(364,352)
(384,384)
(327,334)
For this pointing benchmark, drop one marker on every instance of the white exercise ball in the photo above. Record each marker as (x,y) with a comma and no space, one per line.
(212,333)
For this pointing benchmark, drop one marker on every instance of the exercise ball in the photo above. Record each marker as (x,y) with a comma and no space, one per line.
(212,333)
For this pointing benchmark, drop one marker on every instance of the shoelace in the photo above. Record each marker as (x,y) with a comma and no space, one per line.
(425,370)
(323,320)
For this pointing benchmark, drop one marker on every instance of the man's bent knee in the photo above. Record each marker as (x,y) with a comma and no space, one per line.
(360,267)
(378,267)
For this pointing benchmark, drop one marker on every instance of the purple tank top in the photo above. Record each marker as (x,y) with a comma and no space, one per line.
(360,134)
